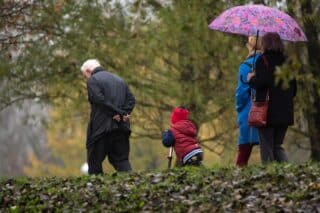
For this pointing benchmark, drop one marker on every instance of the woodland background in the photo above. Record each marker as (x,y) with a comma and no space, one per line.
(168,56)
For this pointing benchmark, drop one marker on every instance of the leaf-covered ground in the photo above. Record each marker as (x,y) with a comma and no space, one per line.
(275,188)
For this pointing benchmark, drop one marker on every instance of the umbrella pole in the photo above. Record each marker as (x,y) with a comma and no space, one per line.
(254,58)
(255,51)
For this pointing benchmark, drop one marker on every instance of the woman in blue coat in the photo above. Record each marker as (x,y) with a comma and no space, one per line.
(248,136)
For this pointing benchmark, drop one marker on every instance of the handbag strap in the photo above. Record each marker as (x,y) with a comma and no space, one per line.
(266,63)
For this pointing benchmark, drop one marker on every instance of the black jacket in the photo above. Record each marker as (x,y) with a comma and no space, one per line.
(280,112)
(108,95)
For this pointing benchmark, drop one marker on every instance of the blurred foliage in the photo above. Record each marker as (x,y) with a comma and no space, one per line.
(275,188)
(66,146)
(166,54)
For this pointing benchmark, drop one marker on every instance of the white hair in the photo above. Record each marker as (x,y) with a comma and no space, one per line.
(90,64)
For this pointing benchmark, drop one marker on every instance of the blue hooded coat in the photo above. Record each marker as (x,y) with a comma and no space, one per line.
(247,134)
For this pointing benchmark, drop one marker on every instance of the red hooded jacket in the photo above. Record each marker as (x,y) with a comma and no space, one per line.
(184,133)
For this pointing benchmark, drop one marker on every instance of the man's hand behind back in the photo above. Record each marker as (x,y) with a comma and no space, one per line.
(117,117)
(125,118)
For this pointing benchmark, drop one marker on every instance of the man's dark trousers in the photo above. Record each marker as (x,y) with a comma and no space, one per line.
(115,145)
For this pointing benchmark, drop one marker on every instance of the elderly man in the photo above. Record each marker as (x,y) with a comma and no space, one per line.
(109,128)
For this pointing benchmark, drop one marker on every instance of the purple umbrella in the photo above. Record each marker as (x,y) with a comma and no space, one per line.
(248,19)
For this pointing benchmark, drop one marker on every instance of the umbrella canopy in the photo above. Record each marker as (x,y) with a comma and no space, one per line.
(248,19)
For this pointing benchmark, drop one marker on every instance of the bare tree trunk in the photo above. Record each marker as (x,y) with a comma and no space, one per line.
(313,47)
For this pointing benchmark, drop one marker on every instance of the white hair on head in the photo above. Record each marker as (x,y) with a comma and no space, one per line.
(90,64)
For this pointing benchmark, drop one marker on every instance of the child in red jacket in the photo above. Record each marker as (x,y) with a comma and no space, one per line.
(182,135)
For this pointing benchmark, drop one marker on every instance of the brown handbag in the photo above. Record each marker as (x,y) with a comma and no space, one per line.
(259,109)
(258,113)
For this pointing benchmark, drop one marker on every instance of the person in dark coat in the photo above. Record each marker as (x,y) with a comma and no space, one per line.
(108,130)
(280,112)
(248,136)
(183,137)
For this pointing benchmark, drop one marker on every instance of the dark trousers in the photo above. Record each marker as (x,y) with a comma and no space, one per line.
(271,140)
(244,152)
(116,146)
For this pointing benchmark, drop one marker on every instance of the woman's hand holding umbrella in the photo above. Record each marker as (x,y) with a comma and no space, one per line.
(250,75)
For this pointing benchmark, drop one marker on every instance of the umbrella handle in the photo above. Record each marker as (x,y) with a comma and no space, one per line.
(255,52)
(254,58)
